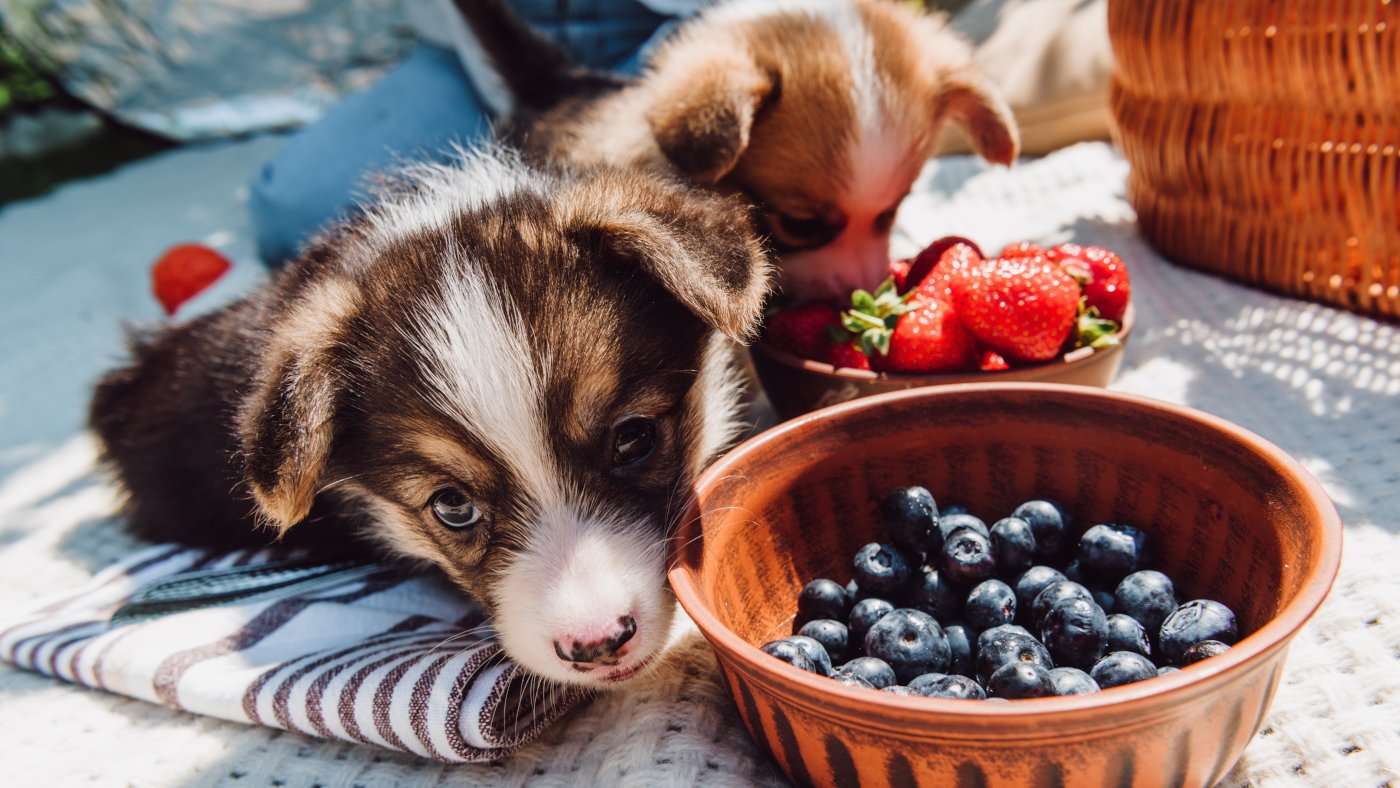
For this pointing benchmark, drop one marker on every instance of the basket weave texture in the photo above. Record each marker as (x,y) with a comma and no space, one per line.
(1264,138)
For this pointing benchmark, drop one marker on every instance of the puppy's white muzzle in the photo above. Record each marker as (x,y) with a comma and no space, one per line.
(854,260)
(586,602)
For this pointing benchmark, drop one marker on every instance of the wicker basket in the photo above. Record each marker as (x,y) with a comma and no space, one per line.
(1264,137)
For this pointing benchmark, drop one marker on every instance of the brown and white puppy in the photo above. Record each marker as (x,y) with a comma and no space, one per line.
(822,112)
(507,373)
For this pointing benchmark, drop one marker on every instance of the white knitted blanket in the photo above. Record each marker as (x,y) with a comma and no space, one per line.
(1322,384)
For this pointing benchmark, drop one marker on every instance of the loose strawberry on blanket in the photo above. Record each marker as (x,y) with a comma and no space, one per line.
(183,272)
(804,330)
(1023,308)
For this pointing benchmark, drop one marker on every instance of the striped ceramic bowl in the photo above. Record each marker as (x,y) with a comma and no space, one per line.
(1233,517)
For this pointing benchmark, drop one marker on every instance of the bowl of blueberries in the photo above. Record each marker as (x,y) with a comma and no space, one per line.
(1004,585)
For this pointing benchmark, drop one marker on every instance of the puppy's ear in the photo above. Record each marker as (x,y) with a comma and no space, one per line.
(286,423)
(711,264)
(967,100)
(702,111)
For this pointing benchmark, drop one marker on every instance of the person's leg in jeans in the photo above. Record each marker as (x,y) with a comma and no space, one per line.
(424,104)
(416,111)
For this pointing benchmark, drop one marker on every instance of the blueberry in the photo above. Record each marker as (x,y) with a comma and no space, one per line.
(833,636)
(1110,551)
(875,672)
(910,641)
(923,681)
(1032,582)
(1201,619)
(1203,650)
(815,651)
(1054,594)
(1102,598)
(899,689)
(1020,680)
(1122,667)
(791,653)
(1003,645)
(1147,596)
(1072,681)
(1075,572)
(985,637)
(955,687)
(853,591)
(933,594)
(1049,524)
(949,523)
(959,650)
(1126,633)
(822,598)
(1075,632)
(956,508)
(1167,670)
(967,558)
(863,617)
(991,603)
(1013,545)
(852,680)
(908,515)
(881,570)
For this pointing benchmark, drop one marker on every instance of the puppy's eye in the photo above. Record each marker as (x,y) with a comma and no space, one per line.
(796,232)
(633,440)
(885,221)
(453,509)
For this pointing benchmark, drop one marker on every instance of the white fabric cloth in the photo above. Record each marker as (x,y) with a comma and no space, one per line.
(1320,383)
(377,658)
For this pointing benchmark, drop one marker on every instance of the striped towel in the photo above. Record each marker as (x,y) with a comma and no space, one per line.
(354,652)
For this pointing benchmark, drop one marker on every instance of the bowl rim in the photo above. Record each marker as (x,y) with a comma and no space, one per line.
(1246,654)
(1064,360)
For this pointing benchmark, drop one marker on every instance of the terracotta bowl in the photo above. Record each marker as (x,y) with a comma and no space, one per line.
(797,385)
(1234,519)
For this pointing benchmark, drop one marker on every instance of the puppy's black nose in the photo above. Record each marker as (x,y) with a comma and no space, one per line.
(587,652)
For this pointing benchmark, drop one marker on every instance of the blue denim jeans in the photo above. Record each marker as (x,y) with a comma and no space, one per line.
(416,112)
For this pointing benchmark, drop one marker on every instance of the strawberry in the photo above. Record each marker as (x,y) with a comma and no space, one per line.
(183,272)
(991,361)
(1102,274)
(955,259)
(1021,249)
(929,258)
(845,355)
(908,333)
(899,272)
(929,338)
(804,330)
(1023,308)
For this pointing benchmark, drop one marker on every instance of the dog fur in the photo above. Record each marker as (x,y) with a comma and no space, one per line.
(820,112)
(483,330)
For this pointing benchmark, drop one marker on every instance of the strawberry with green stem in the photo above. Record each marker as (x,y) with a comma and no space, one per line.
(909,333)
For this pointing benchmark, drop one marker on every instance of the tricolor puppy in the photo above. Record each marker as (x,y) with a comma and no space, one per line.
(507,373)
(821,112)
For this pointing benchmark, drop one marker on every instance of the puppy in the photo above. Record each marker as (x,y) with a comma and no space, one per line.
(821,112)
(508,373)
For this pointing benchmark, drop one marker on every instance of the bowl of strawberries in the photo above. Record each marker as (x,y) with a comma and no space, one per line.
(952,314)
